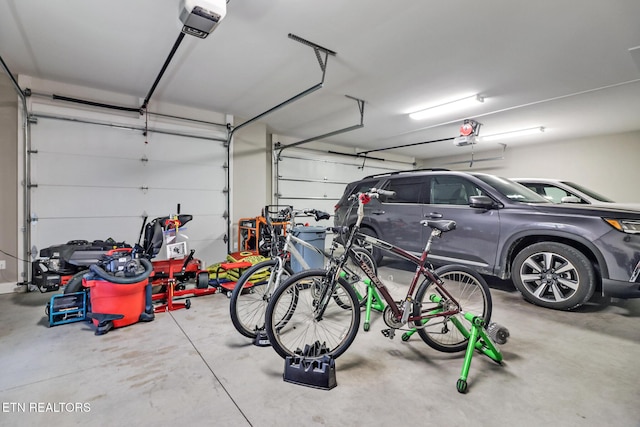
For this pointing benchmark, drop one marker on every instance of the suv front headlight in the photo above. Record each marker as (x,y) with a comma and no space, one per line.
(630,226)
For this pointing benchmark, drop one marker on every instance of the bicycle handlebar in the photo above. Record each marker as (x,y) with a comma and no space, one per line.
(317,214)
(383,192)
(372,193)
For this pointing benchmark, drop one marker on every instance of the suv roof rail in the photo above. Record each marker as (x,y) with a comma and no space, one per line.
(407,171)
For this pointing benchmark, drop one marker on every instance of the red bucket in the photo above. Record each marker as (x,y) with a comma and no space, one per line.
(113,298)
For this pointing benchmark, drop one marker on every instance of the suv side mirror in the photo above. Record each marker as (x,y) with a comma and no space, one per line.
(483,202)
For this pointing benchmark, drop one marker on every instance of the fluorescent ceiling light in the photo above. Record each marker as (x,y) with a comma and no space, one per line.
(513,134)
(448,107)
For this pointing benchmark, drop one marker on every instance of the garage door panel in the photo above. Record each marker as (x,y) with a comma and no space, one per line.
(172,148)
(65,169)
(86,139)
(310,189)
(192,201)
(184,175)
(86,202)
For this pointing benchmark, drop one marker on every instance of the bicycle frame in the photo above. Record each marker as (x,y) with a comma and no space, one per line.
(403,312)
(422,270)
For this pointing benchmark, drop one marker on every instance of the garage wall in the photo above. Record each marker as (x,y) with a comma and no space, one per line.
(9,186)
(607,164)
(251,168)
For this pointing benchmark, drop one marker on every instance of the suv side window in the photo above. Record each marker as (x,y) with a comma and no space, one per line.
(555,194)
(452,190)
(407,189)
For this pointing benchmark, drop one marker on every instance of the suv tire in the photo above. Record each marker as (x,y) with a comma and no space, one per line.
(554,275)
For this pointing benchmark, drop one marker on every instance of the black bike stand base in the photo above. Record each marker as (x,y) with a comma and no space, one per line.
(312,368)
(261,339)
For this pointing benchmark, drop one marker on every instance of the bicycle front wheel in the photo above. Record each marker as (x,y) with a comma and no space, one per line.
(309,315)
(469,290)
(249,299)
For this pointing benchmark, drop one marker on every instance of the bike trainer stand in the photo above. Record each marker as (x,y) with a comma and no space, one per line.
(312,368)
(479,338)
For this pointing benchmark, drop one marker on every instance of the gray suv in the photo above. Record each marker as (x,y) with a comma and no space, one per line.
(556,255)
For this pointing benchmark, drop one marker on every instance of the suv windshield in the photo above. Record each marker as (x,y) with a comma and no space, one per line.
(512,190)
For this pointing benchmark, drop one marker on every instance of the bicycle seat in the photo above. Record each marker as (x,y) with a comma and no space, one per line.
(442,224)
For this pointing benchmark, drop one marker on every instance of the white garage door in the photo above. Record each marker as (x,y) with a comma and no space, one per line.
(93,182)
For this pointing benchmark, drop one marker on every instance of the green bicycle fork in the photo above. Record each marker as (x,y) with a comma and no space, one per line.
(374,302)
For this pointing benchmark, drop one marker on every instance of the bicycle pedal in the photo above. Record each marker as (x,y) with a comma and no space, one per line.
(389,333)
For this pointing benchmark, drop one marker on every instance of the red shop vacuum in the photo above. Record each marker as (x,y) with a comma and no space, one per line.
(119,290)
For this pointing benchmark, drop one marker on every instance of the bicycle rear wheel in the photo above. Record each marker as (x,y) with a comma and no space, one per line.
(296,319)
(354,274)
(469,290)
(249,299)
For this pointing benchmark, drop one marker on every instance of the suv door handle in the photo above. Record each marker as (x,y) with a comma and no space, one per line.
(377,212)
(433,215)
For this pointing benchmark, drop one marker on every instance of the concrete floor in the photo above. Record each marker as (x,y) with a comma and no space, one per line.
(191,367)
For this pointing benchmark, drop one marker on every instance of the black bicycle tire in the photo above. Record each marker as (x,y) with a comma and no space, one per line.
(486,315)
(270,327)
(237,291)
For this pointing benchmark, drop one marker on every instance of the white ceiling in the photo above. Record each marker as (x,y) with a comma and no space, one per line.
(561,64)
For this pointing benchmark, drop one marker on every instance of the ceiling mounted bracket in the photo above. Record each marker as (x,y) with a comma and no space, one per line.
(317,49)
